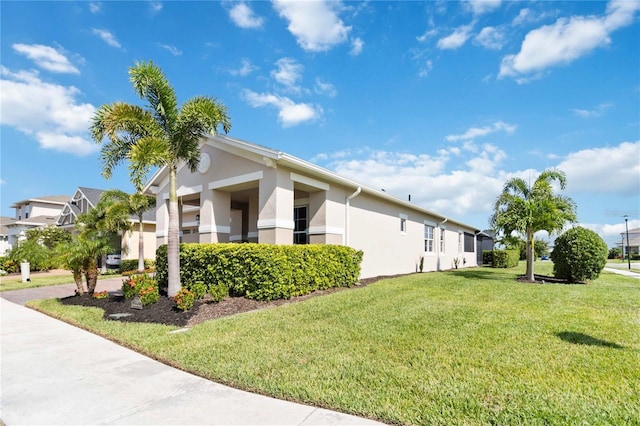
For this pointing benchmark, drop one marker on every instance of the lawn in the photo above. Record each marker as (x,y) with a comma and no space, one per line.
(14,282)
(469,347)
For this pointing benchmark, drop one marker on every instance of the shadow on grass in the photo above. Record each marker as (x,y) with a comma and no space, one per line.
(585,339)
(481,273)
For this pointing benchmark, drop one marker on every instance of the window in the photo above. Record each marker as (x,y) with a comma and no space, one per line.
(428,238)
(468,242)
(441,240)
(403,223)
(300,225)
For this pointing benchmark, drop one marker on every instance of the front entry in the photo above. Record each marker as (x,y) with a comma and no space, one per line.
(301,225)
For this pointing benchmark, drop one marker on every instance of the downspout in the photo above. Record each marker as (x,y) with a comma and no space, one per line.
(439,237)
(345,237)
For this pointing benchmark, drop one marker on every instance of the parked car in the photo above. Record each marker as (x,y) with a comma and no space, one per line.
(544,257)
(113,260)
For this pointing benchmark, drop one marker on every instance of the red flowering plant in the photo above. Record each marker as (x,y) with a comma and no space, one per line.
(101,295)
(142,286)
(184,299)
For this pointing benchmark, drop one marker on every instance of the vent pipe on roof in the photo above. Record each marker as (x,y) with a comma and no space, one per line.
(345,237)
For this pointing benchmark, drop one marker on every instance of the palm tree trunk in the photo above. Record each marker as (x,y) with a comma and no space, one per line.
(140,245)
(530,255)
(173,243)
(77,277)
(92,278)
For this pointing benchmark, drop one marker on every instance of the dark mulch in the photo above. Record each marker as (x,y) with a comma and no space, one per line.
(165,311)
(543,279)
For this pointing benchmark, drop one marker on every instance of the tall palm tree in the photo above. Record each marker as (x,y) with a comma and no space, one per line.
(528,209)
(160,135)
(119,209)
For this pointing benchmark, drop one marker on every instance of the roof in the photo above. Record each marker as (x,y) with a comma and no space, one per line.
(51,199)
(234,145)
(91,194)
(37,221)
(4,221)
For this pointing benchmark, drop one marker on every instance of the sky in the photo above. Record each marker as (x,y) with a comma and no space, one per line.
(441,100)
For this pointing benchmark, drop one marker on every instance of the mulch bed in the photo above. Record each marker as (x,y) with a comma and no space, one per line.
(165,311)
(543,279)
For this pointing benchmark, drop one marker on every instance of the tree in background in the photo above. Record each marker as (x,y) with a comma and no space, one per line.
(162,135)
(120,206)
(37,248)
(523,209)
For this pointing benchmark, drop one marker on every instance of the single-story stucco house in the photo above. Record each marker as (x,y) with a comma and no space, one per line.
(245,192)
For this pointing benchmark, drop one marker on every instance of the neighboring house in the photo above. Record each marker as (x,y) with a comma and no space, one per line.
(4,234)
(249,193)
(633,246)
(33,213)
(84,199)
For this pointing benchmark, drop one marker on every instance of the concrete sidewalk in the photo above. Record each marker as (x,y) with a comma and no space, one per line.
(625,272)
(57,374)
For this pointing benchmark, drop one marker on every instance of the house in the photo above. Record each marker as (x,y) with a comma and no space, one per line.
(33,213)
(633,246)
(85,199)
(243,192)
(4,235)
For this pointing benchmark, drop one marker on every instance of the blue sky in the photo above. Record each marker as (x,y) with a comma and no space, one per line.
(442,100)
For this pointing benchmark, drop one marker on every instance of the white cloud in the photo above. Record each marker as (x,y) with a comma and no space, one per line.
(288,72)
(474,132)
(315,24)
(604,170)
(107,37)
(490,38)
(244,17)
(592,113)
(46,57)
(455,39)
(427,35)
(155,7)
(426,68)
(567,40)
(172,49)
(245,69)
(325,88)
(289,113)
(95,7)
(479,7)
(356,47)
(57,120)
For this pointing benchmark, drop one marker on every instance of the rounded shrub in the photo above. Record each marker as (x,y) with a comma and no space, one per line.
(579,255)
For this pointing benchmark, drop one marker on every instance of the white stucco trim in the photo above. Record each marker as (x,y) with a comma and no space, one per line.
(275,223)
(252,234)
(310,182)
(161,234)
(318,230)
(182,191)
(235,237)
(189,224)
(218,229)
(235,180)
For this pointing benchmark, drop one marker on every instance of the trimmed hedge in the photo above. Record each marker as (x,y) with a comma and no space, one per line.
(487,257)
(506,258)
(579,255)
(264,271)
(132,265)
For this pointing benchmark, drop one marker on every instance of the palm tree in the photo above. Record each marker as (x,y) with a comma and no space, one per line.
(120,207)
(162,135)
(528,209)
(81,257)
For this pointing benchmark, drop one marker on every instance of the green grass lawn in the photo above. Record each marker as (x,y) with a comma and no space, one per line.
(13,282)
(463,347)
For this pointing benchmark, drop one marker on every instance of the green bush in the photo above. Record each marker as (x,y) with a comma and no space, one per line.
(487,257)
(506,258)
(127,265)
(198,288)
(218,292)
(8,265)
(184,299)
(265,271)
(579,255)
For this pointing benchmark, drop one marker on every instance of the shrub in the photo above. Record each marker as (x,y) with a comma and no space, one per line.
(487,257)
(8,265)
(101,295)
(199,289)
(127,265)
(265,271)
(505,258)
(184,299)
(579,255)
(143,286)
(218,292)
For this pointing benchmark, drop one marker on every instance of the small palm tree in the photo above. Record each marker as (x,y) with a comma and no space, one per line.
(162,135)
(528,209)
(81,257)
(120,206)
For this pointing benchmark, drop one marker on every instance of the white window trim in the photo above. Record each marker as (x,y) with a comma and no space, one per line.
(433,226)
(404,222)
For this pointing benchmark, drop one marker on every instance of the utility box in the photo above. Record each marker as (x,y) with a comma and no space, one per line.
(25,272)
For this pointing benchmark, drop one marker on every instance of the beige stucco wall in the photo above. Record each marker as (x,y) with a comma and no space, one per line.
(130,242)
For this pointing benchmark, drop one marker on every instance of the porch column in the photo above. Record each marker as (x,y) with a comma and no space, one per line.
(275,217)
(162,220)
(252,229)
(215,216)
